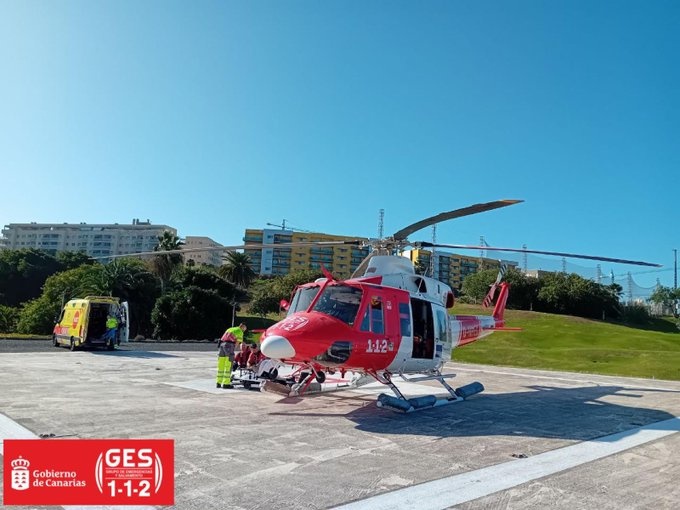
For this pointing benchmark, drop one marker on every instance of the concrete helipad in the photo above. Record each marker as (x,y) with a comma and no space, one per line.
(531,440)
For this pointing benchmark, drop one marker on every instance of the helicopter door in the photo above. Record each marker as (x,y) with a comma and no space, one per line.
(124,332)
(423,329)
(442,335)
(379,327)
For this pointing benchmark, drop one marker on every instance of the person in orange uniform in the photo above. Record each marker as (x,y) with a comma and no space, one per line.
(255,356)
(241,358)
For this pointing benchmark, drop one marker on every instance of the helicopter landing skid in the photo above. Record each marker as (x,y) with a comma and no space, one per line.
(306,384)
(408,405)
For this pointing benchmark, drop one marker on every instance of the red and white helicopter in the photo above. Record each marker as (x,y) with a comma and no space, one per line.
(386,320)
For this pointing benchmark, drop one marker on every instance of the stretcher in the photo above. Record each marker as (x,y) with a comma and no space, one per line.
(252,378)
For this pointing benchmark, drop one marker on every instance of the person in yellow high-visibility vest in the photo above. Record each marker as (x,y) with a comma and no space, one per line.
(111,331)
(225,355)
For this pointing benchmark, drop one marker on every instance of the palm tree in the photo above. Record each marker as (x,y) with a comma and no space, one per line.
(164,264)
(128,279)
(237,269)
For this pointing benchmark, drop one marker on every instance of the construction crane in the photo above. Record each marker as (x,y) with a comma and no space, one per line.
(283,226)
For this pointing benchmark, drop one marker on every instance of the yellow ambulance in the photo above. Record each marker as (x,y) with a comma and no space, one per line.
(83,323)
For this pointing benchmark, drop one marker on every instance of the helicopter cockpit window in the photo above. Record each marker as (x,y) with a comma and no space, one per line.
(302,299)
(341,302)
(373,319)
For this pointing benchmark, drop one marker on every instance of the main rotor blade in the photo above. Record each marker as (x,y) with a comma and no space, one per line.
(300,244)
(537,252)
(465,211)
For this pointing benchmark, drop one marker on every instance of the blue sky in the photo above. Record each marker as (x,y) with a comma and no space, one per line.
(217,116)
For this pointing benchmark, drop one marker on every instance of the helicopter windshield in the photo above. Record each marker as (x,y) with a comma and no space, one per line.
(341,302)
(302,299)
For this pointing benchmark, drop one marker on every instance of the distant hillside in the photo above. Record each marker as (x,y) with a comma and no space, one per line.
(560,342)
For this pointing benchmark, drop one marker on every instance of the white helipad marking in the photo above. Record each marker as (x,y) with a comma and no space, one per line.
(122,507)
(206,385)
(458,489)
(530,375)
(9,429)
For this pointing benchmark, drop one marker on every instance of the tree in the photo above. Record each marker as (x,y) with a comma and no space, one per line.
(23,273)
(199,304)
(128,279)
(237,269)
(206,277)
(553,293)
(164,264)
(190,313)
(285,284)
(263,299)
(665,297)
(476,285)
(73,259)
(574,295)
(39,315)
(8,319)
(523,289)
(267,293)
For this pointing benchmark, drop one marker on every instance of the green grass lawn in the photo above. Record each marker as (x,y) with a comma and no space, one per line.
(559,342)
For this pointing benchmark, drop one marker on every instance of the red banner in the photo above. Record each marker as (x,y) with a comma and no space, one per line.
(89,472)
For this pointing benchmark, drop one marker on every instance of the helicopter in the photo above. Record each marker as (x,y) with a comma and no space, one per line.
(385,320)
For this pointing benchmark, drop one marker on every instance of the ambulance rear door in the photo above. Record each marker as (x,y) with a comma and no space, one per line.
(84,322)
(125,320)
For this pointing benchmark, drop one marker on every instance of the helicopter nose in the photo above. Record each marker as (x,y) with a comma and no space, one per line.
(277,347)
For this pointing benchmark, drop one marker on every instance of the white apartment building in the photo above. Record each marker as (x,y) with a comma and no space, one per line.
(96,240)
(212,257)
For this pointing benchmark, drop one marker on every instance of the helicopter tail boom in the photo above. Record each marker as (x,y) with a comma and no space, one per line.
(499,309)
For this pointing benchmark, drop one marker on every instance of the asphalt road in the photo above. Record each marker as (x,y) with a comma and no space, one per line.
(34,345)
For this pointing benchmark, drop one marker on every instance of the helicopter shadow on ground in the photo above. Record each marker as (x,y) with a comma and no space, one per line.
(580,413)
